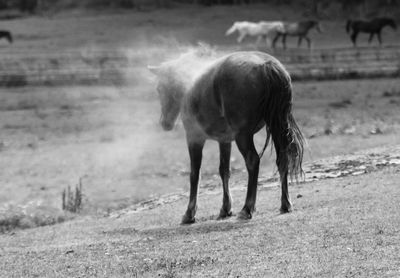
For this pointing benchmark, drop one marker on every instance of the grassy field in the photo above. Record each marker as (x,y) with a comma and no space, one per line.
(182,25)
(346,227)
(108,138)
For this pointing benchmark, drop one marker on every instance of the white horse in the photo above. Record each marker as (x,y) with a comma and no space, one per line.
(259,29)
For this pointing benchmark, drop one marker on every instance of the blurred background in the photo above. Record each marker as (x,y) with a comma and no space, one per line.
(78,106)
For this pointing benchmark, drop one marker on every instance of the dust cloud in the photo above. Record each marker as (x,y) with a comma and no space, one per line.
(129,154)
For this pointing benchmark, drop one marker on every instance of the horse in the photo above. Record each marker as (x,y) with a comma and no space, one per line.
(297,29)
(231,99)
(7,35)
(372,27)
(262,29)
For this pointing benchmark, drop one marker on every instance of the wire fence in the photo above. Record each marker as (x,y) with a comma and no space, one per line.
(121,67)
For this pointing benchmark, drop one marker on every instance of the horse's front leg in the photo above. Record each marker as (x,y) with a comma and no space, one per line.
(247,149)
(275,40)
(354,38)
(241,37)
(224,171)
(195,153)
(379,38)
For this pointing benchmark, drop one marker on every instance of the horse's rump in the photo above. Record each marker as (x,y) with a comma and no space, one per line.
(234,85)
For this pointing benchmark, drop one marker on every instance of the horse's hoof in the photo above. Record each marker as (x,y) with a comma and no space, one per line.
(286,209)
(224,214)
(186,220)
(244,215)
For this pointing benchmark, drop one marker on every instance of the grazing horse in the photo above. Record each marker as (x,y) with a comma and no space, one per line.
(372,27)
(231,99)
(297,29)
(262,29)
(7,35)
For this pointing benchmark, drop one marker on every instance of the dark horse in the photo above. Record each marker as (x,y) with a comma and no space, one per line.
(7,35)
(297,29)
(372,27)
(231,100)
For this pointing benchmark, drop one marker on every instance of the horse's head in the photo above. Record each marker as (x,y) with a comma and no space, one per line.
(170,92)
(317,26)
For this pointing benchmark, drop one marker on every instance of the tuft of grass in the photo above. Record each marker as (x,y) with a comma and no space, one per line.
(72,201)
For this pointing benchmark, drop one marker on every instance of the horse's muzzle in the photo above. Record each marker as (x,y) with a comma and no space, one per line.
(166,126)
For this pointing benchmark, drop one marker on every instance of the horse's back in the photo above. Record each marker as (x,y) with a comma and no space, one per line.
(224,100)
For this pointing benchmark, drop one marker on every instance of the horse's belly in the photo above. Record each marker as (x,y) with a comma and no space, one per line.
(219,130)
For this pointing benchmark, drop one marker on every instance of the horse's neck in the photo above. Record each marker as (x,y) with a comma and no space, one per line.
(386,23)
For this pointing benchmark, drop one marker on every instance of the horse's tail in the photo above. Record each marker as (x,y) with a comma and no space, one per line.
(280,124)
(348,25)
(231,30)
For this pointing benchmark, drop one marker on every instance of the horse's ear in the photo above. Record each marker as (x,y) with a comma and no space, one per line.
(154,69)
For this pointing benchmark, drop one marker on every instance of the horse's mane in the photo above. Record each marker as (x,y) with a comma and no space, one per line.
(238,25)
(189,65)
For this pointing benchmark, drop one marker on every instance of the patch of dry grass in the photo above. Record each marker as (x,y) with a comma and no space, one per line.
(30,215)
(340,228)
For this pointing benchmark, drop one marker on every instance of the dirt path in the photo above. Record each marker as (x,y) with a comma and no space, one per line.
(346,226)
(334,167)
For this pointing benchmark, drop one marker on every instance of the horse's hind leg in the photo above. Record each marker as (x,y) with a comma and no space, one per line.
(247,149)
(299,41)
(308,42)
(371,36)
(195,153)
(225,156)
(281,142)
(284,41)
(379,38)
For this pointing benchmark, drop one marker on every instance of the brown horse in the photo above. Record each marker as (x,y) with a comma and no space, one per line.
(231,99)
(297,29)
(371,27)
